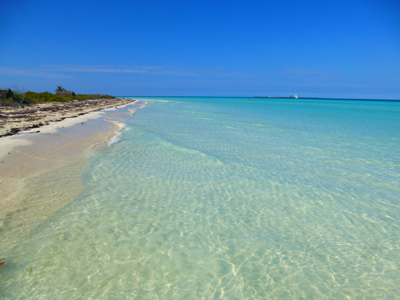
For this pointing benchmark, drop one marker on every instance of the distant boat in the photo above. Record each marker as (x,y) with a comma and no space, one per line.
(295,95)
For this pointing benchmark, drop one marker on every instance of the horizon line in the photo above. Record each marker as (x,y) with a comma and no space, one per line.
(279,97)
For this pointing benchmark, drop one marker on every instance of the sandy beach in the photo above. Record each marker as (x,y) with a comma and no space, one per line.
(33,160)
(15,119)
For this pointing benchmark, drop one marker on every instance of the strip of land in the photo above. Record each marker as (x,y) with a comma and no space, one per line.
(15,119)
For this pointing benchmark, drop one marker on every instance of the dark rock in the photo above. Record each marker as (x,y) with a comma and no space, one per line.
(6,93)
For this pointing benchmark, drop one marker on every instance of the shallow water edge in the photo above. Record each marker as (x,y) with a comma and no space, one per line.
(41,172)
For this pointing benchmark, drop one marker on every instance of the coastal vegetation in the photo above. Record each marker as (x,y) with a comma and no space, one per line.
(20,98)
(49,97)
(60,89)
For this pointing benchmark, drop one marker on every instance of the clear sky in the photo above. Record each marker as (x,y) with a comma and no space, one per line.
(203,48)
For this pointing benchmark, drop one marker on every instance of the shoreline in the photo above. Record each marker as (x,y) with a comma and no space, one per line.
(34,164)
(35,116)
(15,127)
(20,152)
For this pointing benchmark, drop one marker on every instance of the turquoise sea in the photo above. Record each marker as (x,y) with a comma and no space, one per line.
(227,198)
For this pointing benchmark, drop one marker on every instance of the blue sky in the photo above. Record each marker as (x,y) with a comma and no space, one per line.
(203,48)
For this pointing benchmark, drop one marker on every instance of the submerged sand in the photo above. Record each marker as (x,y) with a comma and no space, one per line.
(40,172)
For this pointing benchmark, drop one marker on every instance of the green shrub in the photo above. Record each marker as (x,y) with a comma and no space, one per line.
(8,102)
(18,100)
(22,99)
(44,97)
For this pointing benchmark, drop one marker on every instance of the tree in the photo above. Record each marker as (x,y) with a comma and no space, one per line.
(19,97)
(60,89)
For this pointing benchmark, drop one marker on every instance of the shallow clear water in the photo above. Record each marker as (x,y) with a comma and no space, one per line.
(227,198)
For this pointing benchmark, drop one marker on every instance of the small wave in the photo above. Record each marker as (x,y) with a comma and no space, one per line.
(127,128)
(117,136)
(114,140)
(157,100)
